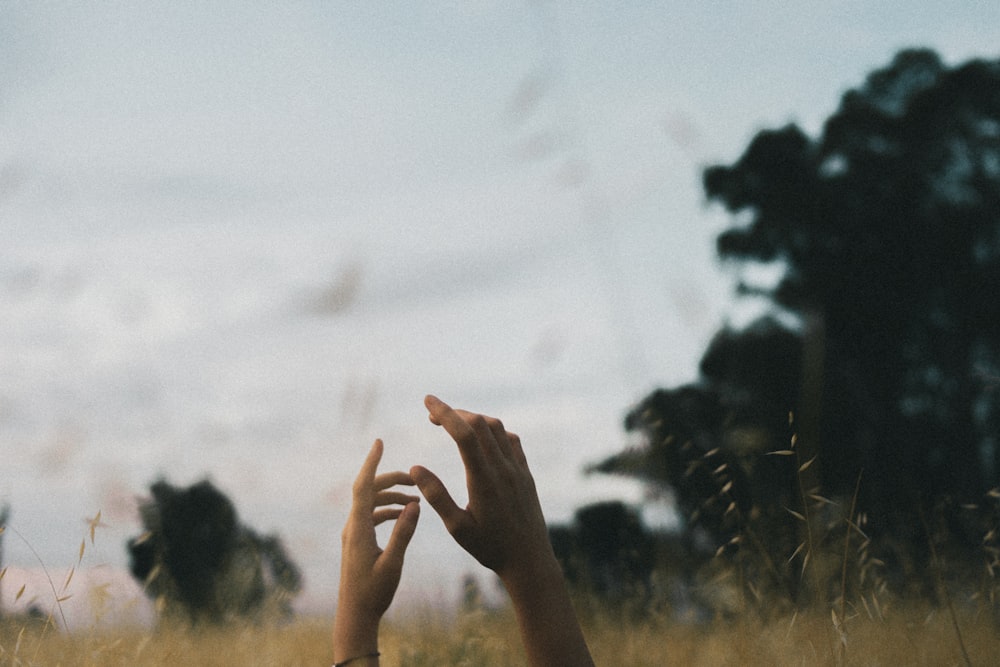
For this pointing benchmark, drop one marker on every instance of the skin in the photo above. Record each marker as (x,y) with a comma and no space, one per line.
(369,575)
(504,529)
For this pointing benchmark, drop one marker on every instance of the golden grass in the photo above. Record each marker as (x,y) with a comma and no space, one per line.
(848,630)
(914,636)
(305,642)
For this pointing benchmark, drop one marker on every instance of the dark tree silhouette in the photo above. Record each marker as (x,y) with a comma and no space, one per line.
(708,443)
(606,551)
(200,563)
(887,228)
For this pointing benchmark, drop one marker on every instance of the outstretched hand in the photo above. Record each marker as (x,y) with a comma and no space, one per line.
(369,576)
(502,526)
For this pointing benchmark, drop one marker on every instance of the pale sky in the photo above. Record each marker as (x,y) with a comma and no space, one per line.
(242,239)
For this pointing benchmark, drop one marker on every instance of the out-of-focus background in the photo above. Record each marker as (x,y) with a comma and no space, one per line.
(241,240)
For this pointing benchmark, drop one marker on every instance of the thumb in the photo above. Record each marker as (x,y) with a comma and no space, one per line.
(402,532)
(434,490)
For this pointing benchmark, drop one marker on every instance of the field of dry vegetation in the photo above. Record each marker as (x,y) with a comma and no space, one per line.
(904,636)
(864,623)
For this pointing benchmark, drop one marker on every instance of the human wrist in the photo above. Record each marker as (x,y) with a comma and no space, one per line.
(541,569)
(354,637)
(359,660)
(355,657)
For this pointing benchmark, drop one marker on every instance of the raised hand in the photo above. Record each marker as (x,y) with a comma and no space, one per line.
(502,526)
(504,529)
(369,576)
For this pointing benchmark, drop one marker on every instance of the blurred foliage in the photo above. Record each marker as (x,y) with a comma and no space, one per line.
(883,345)
(202,565)
(607,552)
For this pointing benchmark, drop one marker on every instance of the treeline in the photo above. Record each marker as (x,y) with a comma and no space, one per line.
(846,443)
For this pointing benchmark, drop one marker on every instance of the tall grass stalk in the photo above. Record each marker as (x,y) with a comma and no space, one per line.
(942,587)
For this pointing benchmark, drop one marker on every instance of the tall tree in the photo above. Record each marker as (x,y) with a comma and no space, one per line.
(888,226)
(887,231)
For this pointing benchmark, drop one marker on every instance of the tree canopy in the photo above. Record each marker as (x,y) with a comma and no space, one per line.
(886,228)
(203,565)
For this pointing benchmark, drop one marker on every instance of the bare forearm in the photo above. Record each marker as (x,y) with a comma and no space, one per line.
(546,618)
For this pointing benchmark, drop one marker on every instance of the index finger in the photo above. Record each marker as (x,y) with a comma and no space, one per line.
(364,484)
(461,432)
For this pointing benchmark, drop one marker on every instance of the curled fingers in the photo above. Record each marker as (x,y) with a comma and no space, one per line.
(515,449)
(385,495)
(465,434)
(383,515)
(384,498)
(491,436)
(508,444)
(495,438)
(380,516)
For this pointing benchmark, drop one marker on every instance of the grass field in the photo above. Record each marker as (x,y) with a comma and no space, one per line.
(866,625)
(905,636)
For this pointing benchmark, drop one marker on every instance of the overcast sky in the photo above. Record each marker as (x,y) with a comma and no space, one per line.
(242,239)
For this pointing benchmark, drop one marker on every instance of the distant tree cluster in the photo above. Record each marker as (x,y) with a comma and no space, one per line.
(606,551)
(873,382)
(200,564)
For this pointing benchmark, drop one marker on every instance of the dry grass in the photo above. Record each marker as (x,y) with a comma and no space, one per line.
(910,638)
(863,625)
(884,631)
(306,642)
(913,636)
